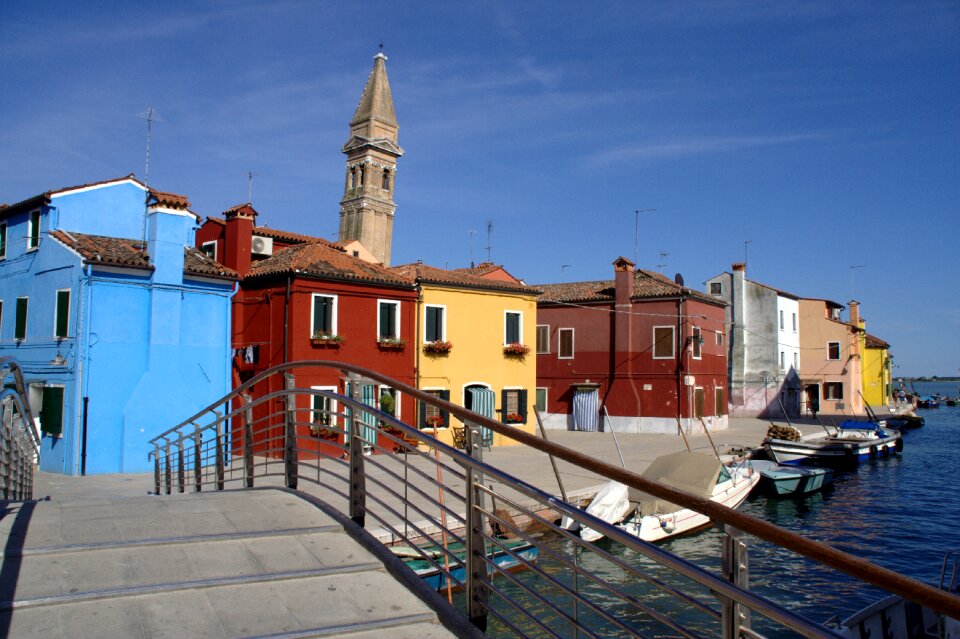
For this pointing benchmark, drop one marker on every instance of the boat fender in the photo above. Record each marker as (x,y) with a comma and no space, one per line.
(667,524)
(873,452)
(899,445)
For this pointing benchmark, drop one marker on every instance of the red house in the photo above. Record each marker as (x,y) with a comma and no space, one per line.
(305,298)
(640,353)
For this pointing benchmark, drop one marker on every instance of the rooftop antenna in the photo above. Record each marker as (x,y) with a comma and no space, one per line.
(472,233)
(663,255)
(745,243)
(636,230)
(489,240)
(562,267)
(149,115)
(852,268)
(249,187)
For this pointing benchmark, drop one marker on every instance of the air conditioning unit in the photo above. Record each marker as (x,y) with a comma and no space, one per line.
(262,245)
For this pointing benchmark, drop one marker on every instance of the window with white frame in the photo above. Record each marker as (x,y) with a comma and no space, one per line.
(33,230)
(512,327)
(781,320)
(794,316)
(388,320)
(323,408)
(434,323)
(543,339)
(663,342)
(783,360)
(833,350)
(323,322)
(719,338)
(565,343)
(697,343)
(388,400)
(61,323)
(541,400)
(796,361)
(209,249)
(513,406)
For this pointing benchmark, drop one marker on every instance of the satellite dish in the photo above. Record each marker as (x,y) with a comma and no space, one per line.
(678,279)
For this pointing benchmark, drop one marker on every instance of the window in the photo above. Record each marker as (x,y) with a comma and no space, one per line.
(697,343)
(833,390)
(33,231)
(323,409)
(783,361)
(20,329)
(796,361)
(565,339)
(794,316)
(352,178)
(699,402)
(716,288)
(388,319)
(51,411)
(541,401)
(385,185)
(3,241)
(435,324)
(209,249)
(781,320)
(833,350)
(388,401)
(363,174)
(513,406)
(62,314)
(663,342)
(543,338)
(719,401)
(430,415)
(719,338)
(324,320)
(512,327)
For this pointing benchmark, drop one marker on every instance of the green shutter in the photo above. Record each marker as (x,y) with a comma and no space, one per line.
(63,313)
(20,330)
(3,240)
(445,395)
(51,411)
(422,420)
(522,404)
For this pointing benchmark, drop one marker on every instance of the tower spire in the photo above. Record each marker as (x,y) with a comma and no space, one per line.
(367,207)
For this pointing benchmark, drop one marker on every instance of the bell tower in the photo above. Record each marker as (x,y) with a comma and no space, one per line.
(367,207)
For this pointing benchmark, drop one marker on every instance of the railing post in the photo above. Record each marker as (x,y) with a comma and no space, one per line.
(247,441)
(219,447)
(168,477)
(197,458)
(736,569)
(181,475)
(358,486)
(156,469)
(478,576)
(290,460)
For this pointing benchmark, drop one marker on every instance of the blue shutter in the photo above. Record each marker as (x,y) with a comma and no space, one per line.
(368,395)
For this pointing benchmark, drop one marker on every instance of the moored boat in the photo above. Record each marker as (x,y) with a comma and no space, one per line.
(431,563)
(790,481)
(851,443)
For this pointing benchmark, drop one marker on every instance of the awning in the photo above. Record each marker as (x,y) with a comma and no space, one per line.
(586,409)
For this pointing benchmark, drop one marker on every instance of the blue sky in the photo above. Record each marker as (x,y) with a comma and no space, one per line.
(827,134)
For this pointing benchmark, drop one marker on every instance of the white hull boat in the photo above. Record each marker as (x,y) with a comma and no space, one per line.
(853,442)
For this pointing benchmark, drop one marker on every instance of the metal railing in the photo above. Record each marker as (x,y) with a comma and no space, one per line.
(459,517)
(19,444)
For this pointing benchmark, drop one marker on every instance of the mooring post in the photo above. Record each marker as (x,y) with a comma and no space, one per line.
(736,569)
(247,441)
(290,461)
(358,486)
(478,580)
(197,458)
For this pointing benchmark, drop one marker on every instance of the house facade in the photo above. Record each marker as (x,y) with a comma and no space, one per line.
(830,358)
(111,313)
(474,348)
(764,346)
(877,371)
(640,353)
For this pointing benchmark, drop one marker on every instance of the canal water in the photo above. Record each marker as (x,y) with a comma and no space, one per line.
(901,513)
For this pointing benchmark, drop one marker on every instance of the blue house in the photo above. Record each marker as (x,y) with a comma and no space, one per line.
(120,325)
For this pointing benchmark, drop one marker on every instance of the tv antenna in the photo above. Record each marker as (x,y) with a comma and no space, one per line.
(472,233)
(562,268)
(489,240)
(663,256)
(852,268)
(636,230)
(249,187)
(149,115)
(745,244)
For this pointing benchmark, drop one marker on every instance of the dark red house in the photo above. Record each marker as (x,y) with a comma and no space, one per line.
(305,298)
(640,353)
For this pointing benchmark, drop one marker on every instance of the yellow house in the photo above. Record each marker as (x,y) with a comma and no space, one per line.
(475,338)
(877,382)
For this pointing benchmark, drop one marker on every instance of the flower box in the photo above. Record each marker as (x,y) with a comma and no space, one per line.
(515,350)
(514,418)
(435,421)
(387,343)
(437,348)
(323,432)
(327,339)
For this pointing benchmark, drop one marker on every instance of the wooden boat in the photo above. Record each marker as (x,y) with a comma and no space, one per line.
(653,519)
(790,481)
(905,421)
(851,443)
(503,554)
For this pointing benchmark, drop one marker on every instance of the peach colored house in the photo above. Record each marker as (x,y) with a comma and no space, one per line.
(830,359)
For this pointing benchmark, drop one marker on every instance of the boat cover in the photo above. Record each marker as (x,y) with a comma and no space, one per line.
(694,473)
(611,504)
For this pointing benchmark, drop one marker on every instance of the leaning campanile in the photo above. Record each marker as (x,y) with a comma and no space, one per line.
(367,207)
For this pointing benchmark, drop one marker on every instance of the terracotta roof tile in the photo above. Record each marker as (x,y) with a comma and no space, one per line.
(319,259)
(117,251)
(170,200)
(646,285)
(433,275)
(875,342)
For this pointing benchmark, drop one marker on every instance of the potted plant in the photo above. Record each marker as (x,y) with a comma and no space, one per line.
(435,421)
(321,431)
(322,338)
(514,418)
(391,343)
(437,348)
(515,350)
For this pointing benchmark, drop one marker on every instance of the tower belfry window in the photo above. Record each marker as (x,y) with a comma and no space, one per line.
(386,180)
(362,174)
(353,177)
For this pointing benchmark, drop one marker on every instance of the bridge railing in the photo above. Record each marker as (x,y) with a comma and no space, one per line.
(19,444)
(466,526)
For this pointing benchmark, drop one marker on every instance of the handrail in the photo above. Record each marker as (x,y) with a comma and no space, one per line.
(864,570)
(19,443)
(10,365)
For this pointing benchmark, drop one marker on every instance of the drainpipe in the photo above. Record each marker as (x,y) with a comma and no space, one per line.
(83,445)
(286,322)
(683,346)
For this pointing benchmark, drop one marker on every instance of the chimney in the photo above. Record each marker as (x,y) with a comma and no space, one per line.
(854,313)
(238,240)
(169,230)
(622,317)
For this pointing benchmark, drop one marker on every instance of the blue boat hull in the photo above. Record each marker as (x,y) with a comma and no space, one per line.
(503,560)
